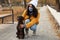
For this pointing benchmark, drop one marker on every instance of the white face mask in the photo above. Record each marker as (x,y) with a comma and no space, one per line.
(30,9)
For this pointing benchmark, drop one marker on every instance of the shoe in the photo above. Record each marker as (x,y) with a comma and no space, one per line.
(26,36)
(34,33)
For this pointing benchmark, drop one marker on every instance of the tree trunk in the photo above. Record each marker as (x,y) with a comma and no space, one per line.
(25,3)
(58,4)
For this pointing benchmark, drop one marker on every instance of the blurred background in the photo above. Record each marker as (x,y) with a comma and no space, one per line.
(18,7)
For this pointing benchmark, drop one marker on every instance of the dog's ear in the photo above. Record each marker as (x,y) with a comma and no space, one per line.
(20,18)
(17,17)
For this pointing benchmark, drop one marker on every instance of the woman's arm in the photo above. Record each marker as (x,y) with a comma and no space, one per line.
(24,13)
(33,21)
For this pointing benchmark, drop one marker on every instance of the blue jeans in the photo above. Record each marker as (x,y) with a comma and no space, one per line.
(33,27)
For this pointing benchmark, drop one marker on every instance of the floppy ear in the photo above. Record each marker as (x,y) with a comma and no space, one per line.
(17,17)
(20,18)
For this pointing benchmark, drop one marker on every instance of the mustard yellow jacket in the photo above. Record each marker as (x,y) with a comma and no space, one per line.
(33,19)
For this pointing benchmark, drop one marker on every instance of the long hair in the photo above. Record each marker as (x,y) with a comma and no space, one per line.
(35,11)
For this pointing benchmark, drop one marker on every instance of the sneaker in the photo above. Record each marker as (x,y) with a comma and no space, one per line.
(34,33)
(26,36)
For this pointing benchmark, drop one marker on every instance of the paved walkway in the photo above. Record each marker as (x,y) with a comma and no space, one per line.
(44,29)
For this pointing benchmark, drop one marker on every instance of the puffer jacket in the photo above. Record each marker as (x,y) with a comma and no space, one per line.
(33,19)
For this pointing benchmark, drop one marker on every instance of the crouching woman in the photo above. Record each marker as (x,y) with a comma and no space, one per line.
(31,18)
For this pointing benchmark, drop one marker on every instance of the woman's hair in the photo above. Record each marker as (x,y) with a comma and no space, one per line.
(35,11)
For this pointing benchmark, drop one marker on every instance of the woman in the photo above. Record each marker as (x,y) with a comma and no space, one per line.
(31,17)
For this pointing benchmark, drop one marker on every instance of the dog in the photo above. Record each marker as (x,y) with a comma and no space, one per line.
(20,28)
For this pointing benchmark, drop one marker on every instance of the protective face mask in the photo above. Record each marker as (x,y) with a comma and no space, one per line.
(30,9)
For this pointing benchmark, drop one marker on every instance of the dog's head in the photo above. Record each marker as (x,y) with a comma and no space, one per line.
(20,18)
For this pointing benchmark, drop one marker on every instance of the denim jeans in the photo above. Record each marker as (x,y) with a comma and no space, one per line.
(33,27)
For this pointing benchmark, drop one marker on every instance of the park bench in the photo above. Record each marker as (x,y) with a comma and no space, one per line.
(7,15)
(55,16)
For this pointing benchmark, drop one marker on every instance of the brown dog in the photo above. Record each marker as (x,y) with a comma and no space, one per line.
(20,28)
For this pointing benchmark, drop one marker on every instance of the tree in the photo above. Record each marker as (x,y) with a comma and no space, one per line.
(25,3)
(44,1)
(58,4)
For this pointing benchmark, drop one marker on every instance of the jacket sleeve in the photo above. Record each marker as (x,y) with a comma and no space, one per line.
(24,13)
(33,21)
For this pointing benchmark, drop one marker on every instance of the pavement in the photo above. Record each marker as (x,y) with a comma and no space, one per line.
(44,29)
